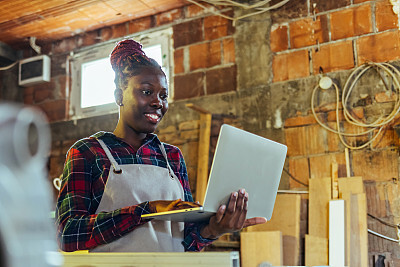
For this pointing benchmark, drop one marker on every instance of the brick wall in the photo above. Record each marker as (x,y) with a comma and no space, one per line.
(332,38)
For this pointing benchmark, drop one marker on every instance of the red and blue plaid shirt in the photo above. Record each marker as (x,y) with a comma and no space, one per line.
(84,178)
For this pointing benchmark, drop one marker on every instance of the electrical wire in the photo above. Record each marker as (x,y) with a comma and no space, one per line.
(9,66)
(294,178)
(379,123)
(383,222)
(387,224)
(257,6)
(383,236)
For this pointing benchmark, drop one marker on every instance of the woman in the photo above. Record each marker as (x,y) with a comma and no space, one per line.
(111,179)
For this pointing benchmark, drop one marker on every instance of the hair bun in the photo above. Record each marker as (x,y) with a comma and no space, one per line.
(124,49)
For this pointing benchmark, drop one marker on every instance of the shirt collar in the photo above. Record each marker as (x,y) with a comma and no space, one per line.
(151,137)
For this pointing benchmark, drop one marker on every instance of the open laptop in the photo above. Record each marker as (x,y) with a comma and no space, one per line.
(241,160)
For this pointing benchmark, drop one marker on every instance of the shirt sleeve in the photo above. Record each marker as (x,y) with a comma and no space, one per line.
(192,240)
(78,227)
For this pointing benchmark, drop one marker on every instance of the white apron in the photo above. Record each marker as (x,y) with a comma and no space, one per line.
(133,184)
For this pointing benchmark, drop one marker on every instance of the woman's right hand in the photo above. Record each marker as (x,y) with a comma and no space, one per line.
(168,205)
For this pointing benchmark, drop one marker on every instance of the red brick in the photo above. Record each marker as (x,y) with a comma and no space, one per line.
(316,139)
(357,113)
(379,47)
(42,94)
(178,61)
(351,22)
(323,5)
(65,45)
(193,11)
(189,85)
(384,97)
(205,55)
(321,166)
(216,27)
(376,205)
(357,140)
(139,25)
(306,32)
(327,107)
(169,16)
(385,17)
(290,10)
(393,196)
(387,138)
(61,81)
(188,33)
(375,165)
(331,116)
(221,80)
(46,47)
(300,121)
(362,19)
(88,38)
(334,144)
(333,57)
(291,65)
(28,95)
(279,38)
(228,46)
(113,32)
(54,110)
(299,168)
(295,139)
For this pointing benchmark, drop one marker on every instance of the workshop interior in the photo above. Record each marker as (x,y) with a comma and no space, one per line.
(320,77)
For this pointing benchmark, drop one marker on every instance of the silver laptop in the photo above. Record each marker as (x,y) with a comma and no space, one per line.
(241,160)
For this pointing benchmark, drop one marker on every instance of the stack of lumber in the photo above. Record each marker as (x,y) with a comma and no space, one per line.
(277,241)
(337,230)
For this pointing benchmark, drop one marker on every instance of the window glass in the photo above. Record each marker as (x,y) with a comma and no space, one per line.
(93,85)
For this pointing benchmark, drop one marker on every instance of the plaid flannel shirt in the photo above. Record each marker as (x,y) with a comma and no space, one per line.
(84,178)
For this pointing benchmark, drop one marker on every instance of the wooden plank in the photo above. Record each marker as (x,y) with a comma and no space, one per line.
(334,177)
(259,247)
(358,231)
(347,187)
(202,161)
(286,218)
(337,256)
(318,214)
(347,157)
(316,250)
(354,185)
(174,259)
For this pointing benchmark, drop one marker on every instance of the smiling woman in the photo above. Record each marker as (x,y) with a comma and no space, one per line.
(111,179)
(134,165)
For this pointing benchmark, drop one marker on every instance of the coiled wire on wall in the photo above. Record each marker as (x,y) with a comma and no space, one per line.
(379,123)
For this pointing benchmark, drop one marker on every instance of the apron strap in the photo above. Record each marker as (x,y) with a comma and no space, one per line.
(171,172)
(117,169)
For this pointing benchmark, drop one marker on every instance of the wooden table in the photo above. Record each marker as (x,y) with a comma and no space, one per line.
(214,259)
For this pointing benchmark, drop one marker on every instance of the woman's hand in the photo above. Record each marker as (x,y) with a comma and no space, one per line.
(231,218)
(167,205)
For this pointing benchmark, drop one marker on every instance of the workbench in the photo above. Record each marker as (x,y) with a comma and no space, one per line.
(175,259)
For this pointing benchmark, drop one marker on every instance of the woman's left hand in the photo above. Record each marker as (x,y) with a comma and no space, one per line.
(231,218)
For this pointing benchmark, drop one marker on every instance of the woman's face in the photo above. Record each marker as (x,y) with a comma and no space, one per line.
(144,101)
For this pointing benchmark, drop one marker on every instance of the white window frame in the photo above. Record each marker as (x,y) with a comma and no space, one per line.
(103,50)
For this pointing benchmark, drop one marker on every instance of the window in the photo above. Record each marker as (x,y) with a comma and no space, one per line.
(93,85)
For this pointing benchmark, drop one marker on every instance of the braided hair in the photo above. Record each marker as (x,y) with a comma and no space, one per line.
(127,59)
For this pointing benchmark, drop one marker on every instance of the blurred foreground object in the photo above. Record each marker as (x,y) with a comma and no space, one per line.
(27,234)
